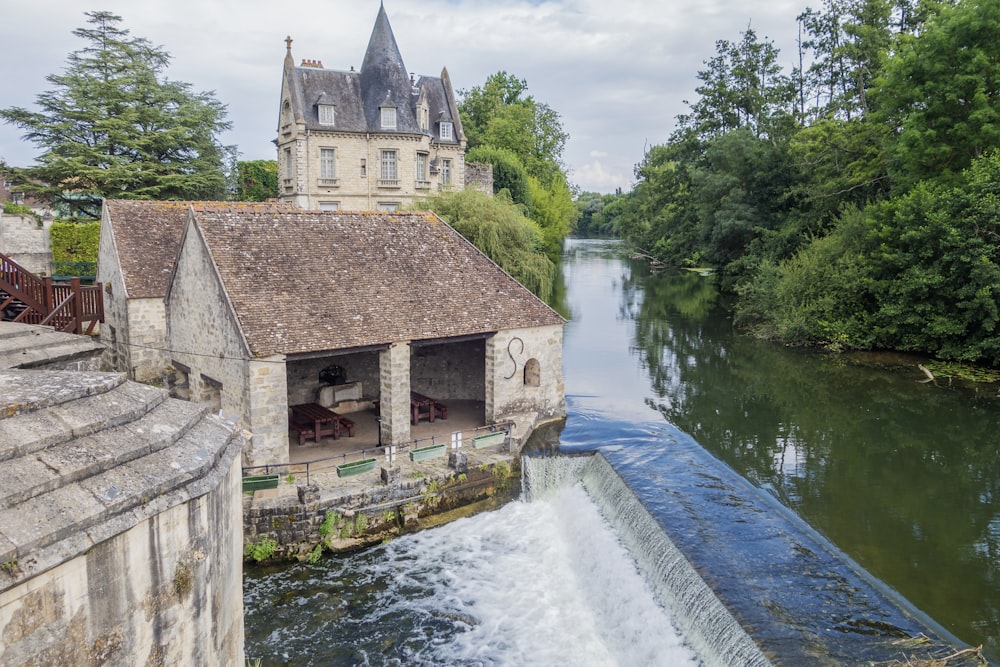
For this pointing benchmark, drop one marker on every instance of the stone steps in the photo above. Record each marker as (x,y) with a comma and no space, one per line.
(85,456)
(40,409)
(33,346)
(74,458)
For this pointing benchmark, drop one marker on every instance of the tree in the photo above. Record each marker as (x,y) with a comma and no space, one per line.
(257,180)
(114,126)
(942,91)
(498,114)
(499,229)
(508,172)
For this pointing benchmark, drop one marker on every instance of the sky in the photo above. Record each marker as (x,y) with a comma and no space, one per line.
(617,71)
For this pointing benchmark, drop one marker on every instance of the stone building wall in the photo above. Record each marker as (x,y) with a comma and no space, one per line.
(114,332)
(524,373)
(25,239)
(216,369)
(358,171)
(449,370)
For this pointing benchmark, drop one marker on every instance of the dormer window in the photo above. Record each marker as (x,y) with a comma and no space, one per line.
(326,114)
(388,118)
(423,114)
(446,130)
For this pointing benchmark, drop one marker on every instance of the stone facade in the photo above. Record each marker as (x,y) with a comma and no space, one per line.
(166,592)
(524,373)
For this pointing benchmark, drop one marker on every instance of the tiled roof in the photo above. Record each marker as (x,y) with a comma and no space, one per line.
(358,95)
(147,234)
(308,281)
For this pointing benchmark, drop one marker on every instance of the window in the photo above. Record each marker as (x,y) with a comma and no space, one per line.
(329,206)
(364,168)
(328,163)
(421,166)
(388,206)
(288,163)
(445,172)
(388,118)
(446,130)
(389,165)
(532,373)
(424,117)
(326,114)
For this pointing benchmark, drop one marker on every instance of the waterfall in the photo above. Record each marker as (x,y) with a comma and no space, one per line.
(707,625)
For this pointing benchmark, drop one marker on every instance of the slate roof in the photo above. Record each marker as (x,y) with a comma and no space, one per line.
(147,235)
(310,281)
(358,95)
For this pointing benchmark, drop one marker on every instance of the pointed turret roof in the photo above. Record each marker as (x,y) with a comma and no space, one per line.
(384,79)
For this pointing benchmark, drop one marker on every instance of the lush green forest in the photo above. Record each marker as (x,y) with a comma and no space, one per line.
(852,201)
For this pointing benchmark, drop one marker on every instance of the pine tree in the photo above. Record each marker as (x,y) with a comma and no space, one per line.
(113,126)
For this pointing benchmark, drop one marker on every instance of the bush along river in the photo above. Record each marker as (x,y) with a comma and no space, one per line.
(747,504)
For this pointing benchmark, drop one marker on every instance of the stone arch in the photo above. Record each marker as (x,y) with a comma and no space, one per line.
(532,373)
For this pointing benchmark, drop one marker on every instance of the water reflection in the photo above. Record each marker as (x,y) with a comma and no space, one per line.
(903,476)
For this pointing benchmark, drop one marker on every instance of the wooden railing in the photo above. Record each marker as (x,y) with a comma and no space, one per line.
(69,307)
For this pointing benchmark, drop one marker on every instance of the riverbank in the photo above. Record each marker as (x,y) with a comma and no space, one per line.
(406,490)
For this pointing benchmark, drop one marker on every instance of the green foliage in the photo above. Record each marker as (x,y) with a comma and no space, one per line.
(75,241)
(330,522)
(821,296)
(261,550)
(840,214)
(315,554)
(257,180)
(942,90)
(938,267)
(497,227)
(11,208)
(552,209)
(112,125)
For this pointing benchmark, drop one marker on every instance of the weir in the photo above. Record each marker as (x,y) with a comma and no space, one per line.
(707,625)
(766,589)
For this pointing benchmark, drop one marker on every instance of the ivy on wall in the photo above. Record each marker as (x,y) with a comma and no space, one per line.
(75,242)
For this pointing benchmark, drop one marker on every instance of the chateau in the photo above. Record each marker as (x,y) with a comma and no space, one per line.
(366,140)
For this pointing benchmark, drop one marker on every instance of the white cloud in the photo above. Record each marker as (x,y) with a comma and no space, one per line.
(616,72)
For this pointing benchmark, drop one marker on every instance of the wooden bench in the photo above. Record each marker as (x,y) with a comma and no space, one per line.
(440,410)
(306,428)
(346,425)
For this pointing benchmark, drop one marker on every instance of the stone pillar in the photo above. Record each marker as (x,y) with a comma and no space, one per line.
(267,403)
(394,380)
(491,369)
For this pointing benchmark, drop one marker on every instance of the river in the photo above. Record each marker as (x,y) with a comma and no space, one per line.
(900,475)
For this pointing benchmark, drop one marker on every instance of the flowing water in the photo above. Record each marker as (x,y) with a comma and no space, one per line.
(902,478)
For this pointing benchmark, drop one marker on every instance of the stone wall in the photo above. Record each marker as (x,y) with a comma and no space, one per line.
(114,332)
(165,592)
(217,368)
(25,239)
(449,370)
(524,374)
(479,175)
(295,524)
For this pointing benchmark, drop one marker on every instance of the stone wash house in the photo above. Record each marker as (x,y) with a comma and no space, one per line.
(368,140)
(262,300)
